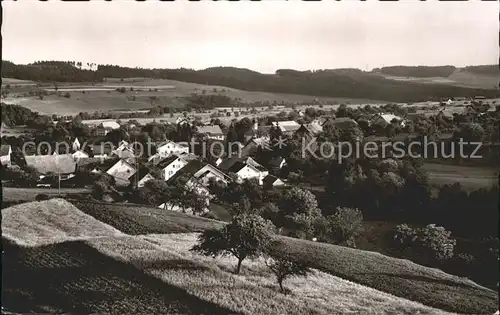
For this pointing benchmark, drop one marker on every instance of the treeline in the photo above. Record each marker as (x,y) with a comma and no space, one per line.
(15,115)
(420,71)
(208,101)
(333,83)
(49,71)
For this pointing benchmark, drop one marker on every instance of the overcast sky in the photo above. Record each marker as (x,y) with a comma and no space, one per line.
(261,36)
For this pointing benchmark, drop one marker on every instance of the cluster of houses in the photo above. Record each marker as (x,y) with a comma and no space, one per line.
(175,160)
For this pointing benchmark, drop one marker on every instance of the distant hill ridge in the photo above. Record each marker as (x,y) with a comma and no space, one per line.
(437,71)
(349,83)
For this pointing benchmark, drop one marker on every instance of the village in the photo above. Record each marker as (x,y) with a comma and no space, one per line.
(278,158)
(68,163)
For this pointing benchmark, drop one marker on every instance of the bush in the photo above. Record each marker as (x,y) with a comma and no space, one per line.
(404,236)
(41,197)
(430,245)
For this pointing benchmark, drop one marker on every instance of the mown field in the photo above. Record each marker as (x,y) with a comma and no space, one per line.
(470,177)
(459,77)
(401,278)
(67,261)
(74,277)
(12,194)
(253,291)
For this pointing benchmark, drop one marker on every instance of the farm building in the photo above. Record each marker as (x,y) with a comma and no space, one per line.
(386,119)
(5,152)
(173,164)
(122,170)
(212,132)
(287,127)
(103,150)
(63,164)
(105,127)
(169,147)
(271,181)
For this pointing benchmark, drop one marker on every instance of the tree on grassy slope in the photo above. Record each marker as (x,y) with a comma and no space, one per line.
(345,225)
(284,268)
(247,236)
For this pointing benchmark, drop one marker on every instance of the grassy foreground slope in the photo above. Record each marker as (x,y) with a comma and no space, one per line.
(399,277)
(49,222)
(49,268)
(254,290)
(74,277)
(155,274)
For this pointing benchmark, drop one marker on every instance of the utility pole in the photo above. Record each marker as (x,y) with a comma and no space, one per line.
(58,176)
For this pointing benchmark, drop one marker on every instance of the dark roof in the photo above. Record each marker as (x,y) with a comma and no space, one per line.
(188,170)
(143,171)
(166,161)
(255,164)
(101,149)
(269,180)
(227,163)
(4,149)
(87,165)
(236,167)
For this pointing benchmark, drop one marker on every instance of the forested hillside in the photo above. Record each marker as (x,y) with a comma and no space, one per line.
(350,83)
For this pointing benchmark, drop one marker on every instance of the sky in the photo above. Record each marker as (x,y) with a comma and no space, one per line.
(261,36)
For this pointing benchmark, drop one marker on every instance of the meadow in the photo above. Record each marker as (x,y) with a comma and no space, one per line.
(398,277)
(470,177)
(99,269)
(458,78)
(13,194)
(104,97)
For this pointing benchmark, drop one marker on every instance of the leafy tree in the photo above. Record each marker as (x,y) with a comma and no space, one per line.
(436,243)
(247,236)
(330,131)
(299,211)
(197,202)
(345,226)
(284,268)
(105,184)
(342,111)
(472,132)
(155,192)
(269,211)
(298,200)
(429,245)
